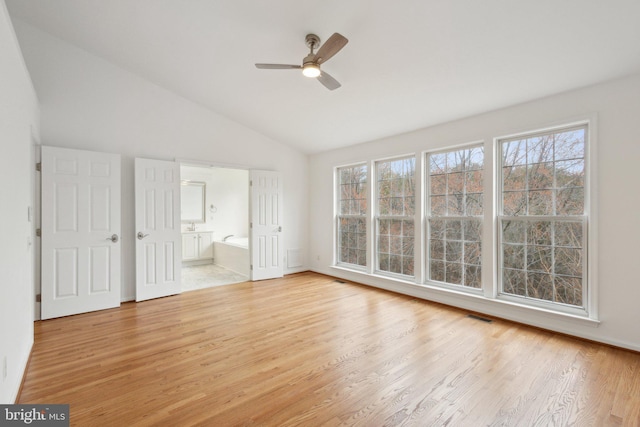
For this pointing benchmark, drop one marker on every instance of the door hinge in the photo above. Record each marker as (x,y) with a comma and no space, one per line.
(39,166)
(251,267)
(38,297)
(250,183)
(250,225)
(38,232)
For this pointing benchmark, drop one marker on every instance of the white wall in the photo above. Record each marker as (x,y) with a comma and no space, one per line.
(18,125)
(617,105)
(88,103)
(230,196)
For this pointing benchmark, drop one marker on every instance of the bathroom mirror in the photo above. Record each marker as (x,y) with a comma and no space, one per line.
(192,201)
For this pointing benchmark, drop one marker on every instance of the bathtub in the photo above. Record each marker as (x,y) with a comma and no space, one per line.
(232,254)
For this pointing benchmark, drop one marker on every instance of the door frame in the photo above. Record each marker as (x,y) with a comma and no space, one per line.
(36,221)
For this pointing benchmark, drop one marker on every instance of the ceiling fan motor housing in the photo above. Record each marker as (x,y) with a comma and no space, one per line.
(312,41)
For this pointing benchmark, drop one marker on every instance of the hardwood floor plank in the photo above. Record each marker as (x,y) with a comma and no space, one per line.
(307,350)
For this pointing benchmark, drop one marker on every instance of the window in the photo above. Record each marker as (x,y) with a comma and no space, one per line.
(538,219)
(454,216)
(352,215)
(395,238)
(542,222)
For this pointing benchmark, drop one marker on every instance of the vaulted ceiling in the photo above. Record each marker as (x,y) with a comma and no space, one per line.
(408,64)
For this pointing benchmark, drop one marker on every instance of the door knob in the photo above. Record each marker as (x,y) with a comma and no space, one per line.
(113,238)
(141,235)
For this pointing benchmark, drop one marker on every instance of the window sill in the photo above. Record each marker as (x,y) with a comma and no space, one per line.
(375,275)
(509,310)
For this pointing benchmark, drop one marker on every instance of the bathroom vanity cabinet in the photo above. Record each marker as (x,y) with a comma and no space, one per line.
(197,245)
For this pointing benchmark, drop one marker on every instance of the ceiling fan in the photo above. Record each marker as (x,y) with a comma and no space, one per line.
(311,63)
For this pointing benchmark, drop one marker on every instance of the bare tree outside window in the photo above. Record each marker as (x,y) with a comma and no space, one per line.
(352,215)
(543,222)
(395,236)
(454,217)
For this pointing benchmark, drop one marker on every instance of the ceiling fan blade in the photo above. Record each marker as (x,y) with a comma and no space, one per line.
(330,47)
(328,81)
(278,66)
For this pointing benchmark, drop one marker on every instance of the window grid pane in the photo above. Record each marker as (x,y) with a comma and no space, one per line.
(454,216)
(543,259)
(544,176)
(352,209)
(395,246)
(395,237)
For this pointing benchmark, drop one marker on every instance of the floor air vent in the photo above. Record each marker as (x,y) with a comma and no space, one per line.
(484,319)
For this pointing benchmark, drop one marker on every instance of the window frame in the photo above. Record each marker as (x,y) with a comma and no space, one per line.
(376,217)
(427,217)
(585,219)
(339,216)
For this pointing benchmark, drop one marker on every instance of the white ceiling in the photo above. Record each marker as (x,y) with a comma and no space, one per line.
(408,64)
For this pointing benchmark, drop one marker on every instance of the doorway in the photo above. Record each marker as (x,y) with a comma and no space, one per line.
(215,226)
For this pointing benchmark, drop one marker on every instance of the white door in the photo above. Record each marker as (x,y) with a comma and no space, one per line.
(266,225)
(80,261)
(158,237)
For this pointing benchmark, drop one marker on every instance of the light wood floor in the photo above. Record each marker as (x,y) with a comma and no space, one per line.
(307,350)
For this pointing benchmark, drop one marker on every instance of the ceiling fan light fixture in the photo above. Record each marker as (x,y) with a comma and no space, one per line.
(311,70)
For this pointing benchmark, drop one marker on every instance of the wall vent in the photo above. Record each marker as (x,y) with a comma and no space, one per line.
(483,319)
